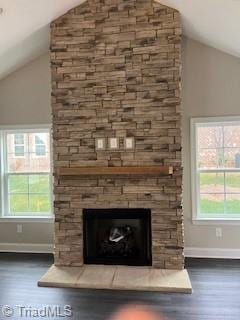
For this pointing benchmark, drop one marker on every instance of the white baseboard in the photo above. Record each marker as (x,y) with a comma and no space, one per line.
(188,251)
(212,253)
(26,247)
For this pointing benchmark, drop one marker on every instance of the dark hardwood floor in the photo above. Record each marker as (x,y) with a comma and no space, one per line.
(216,296)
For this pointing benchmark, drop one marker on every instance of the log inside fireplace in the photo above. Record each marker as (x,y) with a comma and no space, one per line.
(117,236)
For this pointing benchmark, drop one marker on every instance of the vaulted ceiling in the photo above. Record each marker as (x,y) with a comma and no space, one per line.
(24,26)
(213,22)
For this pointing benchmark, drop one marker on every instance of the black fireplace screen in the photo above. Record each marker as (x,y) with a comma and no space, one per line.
(117,236)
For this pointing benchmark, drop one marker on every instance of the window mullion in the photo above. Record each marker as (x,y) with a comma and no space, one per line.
(224,174)
(5,175)
(28,173)
(224,190)
(28,193)
(210,170)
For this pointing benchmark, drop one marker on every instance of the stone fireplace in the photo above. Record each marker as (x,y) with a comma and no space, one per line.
(116,75)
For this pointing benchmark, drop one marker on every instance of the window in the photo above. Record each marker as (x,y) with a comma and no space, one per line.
(26,173)
(216,168)
(40,144)
(19,145)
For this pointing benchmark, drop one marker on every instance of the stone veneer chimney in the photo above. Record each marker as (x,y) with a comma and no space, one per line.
(116,73)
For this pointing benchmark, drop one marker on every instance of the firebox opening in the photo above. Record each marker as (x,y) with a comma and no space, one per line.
(117,236)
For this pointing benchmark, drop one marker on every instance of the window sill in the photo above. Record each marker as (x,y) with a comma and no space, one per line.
(217,221)
(49,219)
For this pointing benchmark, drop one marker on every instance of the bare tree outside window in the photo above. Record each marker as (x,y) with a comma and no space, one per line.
(217,175)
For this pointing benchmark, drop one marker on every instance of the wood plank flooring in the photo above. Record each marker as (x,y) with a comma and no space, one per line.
(216,296)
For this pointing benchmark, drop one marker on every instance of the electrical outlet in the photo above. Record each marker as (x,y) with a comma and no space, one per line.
(100,144)
(19,228)
(129,143)
(218,232)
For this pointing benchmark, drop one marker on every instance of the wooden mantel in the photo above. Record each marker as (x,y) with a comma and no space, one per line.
(90,171)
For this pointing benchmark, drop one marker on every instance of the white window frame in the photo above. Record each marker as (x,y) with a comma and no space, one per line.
(4,214)
(195,192)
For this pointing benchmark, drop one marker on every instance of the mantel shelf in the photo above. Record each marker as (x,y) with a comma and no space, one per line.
(92,171)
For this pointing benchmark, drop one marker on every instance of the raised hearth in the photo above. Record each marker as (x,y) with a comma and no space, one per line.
(117,278)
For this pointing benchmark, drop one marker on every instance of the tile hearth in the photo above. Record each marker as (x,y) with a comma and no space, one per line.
(117,277)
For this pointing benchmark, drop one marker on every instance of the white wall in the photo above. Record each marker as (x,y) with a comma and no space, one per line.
(210,88)
(25,99)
